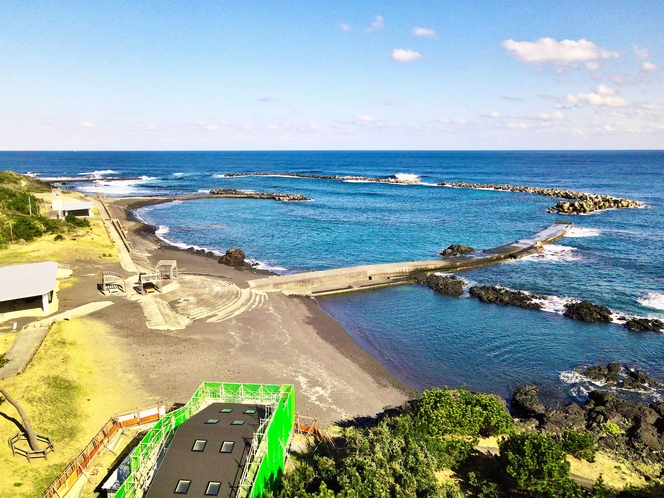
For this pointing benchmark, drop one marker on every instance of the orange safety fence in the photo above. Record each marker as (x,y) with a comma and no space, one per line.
(77,466)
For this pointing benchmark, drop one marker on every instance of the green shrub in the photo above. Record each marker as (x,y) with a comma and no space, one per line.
(76,221)
(580,444)
(536,463)
(18,200)
(26,228)
(611,428)
(58,237)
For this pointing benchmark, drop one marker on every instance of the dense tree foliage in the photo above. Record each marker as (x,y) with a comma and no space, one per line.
(537,463)
(399,457)
(580,444)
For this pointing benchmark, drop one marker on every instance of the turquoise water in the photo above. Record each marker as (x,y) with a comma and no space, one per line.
(614,259)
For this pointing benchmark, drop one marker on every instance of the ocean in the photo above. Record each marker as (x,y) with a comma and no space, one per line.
(613,258)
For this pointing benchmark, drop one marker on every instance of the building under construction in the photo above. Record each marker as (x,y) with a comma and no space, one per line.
(229,440)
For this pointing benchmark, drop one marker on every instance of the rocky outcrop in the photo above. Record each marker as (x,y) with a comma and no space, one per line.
(504,297)
(643,324)
(457,250)
(579,202)
(622,376)
(402,181)
(450,286)
(585,311)
(234,258)
(526,402)
(633,429)
(228,192)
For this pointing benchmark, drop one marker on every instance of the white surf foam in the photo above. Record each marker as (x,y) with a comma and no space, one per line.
(654,300)
(99,173)
(117,187)
(219,176)
(571,377)
(203,191)
(260,265)
(553,253)
(577,232)
(162,230)
(553,304)
(409,177)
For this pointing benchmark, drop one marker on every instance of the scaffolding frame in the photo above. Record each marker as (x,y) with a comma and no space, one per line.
(267,454)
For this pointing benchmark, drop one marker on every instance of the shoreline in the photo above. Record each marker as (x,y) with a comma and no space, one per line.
(322,324)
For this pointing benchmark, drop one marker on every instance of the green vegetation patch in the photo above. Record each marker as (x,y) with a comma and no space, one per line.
(56,410)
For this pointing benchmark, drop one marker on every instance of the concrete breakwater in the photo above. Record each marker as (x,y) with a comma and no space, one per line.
(366,277)
(403,181)
(243,194)
(579,202)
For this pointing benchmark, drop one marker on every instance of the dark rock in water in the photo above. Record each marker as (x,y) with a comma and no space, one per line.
(585,311)
(526,402)
(612,375)
(457,250)
(644,324)
(504,297)
(233,257)
(450,286)
(570,417)
(600,373)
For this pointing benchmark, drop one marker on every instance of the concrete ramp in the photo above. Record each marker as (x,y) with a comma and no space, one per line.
(365,277)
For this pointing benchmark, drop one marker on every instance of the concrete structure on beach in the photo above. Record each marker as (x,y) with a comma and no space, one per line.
(365,277)
(34,280)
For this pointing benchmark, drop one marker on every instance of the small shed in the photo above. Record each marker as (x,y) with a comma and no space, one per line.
(29,281)
(63,208)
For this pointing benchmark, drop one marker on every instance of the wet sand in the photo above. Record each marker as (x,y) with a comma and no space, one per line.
(282,340)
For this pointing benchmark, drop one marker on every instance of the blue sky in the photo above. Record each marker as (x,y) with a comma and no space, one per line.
(243,75)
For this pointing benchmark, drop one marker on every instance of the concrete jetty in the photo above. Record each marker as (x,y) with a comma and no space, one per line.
(365,277)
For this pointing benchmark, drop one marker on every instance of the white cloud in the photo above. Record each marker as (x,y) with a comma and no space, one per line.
(593,98)
(563,53)
(641,53)
(495,114)
(377,24)
(652,106)
(424,32)
(518,126)
(272,127)
(605,90)
(460,121)
(401,55)
(366,119)
(313,126)
(268,99)
(152,128)
(88,125)
(443,120)
(609,128)
(212,127)
(556,116)
(344,27)
(649,66)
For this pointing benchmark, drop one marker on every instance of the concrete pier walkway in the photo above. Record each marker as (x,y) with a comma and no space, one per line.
(356,278)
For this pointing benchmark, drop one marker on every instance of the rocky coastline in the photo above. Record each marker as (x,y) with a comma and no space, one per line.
(632,429)
(329,177)
(505,297)
(584,311)
(577,203)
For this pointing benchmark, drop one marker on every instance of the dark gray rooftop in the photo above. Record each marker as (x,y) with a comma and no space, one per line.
(201,468)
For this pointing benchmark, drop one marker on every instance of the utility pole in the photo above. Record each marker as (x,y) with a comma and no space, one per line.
(11,232)
(30,204)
